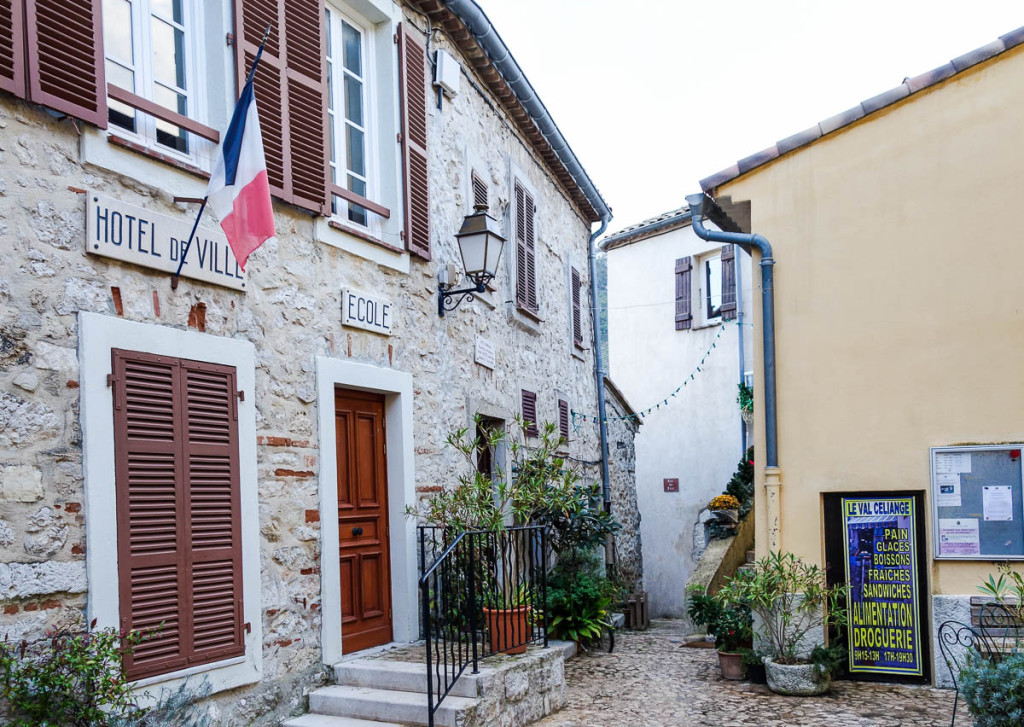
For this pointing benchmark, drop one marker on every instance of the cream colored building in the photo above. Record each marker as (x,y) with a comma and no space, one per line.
(899,314)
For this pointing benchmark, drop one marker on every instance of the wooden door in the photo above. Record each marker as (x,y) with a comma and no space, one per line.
(362,520)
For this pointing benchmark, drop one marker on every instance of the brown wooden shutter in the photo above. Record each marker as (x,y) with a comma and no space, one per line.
(12,47)
(413,85)
(530,413)
(291,94)
(526,250)
(64,41)
(684,316)
(563,418)
(577,319)
(479,190)
(178,510)
(728,282)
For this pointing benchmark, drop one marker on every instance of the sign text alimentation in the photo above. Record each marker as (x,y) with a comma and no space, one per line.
(139,236)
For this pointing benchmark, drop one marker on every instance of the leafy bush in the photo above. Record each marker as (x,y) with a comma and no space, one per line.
(703,609)
(733,629)
(832,658)
(179,707)
(741,485)
(745,397)
(578,599)
(69,678)
(994,689)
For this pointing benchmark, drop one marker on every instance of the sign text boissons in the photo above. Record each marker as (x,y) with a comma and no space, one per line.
(360,310)
(880,546)
(139,236)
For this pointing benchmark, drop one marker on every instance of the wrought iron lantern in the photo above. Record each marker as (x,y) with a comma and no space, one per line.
(480,244)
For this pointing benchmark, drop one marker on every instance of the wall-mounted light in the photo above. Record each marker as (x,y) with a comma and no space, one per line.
(480,244)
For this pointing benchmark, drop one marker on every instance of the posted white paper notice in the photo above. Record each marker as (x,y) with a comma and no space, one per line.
(959,536)
(997,502)
(952,463)
(947,490)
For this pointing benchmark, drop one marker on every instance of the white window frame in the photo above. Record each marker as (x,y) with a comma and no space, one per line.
(337,121)
(98,334)
(700,272)
(201,151)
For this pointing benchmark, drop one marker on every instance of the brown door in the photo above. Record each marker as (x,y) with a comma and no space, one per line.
(362,520)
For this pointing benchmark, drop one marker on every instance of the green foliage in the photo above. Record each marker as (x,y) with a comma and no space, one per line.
(790,597)
(741,485)
(733,628)
(69,678)
(179,707)
(1007,590)
(832,658)
(994,689)
(703,609)
(745,397)
(578,599)
(752,657)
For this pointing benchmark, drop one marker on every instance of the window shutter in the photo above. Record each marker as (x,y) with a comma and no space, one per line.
(728,282)
(526,252)
(563,418)
(479,190)
(291,94)
(12,47)
(178,510)
(530,413)
(684,317)
(413,84)
(65,57)
(577,320)
(531,253)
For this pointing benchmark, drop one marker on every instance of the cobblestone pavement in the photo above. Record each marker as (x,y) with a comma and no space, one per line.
(651,679)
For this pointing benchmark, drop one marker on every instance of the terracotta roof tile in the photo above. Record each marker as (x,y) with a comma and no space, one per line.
(908,87)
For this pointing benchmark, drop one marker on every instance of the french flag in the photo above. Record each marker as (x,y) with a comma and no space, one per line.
(239,191)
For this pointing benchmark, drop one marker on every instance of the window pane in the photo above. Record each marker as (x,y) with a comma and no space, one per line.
(356,157)
(356,213)
(353,50)
(168,8)
(354,100)
(168,54)
(713,286)
(120,114)
(166,133)
(117,30)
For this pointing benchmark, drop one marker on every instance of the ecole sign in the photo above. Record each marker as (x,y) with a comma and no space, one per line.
(135,235)
(360,310)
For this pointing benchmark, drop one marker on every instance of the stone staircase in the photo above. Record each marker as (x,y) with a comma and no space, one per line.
(387,691)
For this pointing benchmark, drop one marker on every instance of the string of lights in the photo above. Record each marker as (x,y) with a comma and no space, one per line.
(579,418)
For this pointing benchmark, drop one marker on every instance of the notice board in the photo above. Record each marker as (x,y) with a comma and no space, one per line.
(978,508)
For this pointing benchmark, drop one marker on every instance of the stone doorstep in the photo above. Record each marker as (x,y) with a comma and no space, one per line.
(385,705)
(403,676)
(326,720)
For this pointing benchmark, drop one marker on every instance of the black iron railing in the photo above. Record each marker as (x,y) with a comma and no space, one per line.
(481,593)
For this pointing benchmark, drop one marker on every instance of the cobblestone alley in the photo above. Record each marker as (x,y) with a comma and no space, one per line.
(651,679)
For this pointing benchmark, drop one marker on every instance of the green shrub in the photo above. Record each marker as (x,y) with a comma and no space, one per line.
(69,678)
(994,689)
(703,609)
(733,629)
(741,485)
(578,598)
(832,658)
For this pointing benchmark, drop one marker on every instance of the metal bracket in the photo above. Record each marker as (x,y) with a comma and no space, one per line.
(446,300)
(240,395)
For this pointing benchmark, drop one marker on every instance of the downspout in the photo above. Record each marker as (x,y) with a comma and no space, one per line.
(599,364)
(696,202)
(739,348)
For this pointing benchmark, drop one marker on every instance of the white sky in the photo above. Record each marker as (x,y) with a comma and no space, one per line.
(654,95)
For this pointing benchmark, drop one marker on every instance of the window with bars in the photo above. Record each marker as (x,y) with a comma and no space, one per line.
(349,112)
(153,55)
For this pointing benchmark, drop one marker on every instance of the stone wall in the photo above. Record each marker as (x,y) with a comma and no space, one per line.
(290,313)
(622,472)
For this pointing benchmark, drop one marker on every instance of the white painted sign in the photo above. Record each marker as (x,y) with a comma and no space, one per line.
(135,235)
(485,354)
(364,311)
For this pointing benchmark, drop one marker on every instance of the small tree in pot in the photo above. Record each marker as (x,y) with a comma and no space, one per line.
(791,598)
(732,633)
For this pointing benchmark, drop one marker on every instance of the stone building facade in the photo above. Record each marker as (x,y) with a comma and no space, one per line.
(623,425)
(64,310)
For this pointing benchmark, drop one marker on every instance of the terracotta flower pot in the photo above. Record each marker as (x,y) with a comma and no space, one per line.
(731,664)
(509,629)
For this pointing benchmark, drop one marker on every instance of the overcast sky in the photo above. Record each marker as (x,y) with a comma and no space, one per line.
(654,95)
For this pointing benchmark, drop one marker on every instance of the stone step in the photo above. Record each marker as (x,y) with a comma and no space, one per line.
(326,720)
(385,705)
(403,676)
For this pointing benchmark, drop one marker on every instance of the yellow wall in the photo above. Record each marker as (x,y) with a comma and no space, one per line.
(899,298)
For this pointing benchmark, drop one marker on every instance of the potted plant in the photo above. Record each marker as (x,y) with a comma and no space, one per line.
(753,660)
(745,398)
(726,508)
(732,631)
(791,599)
(509,619)
(703,610)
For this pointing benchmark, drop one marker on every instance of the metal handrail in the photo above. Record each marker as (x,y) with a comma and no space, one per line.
(477,579)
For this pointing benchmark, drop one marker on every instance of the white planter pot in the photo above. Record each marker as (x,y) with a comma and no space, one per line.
(798,680)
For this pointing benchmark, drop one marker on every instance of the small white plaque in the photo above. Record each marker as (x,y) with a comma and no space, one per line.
(368,312)
(139,236)
(485,354)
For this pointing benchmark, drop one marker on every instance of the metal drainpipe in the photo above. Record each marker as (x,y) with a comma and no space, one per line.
(696,202)
(599,364)
(739,346)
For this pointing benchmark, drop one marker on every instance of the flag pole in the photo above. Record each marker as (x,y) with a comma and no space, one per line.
(202,208)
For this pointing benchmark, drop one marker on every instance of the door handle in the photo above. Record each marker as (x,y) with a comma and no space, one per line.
(356,532)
